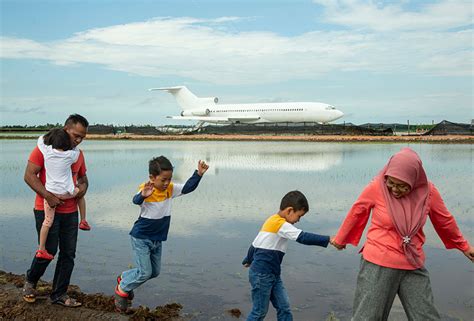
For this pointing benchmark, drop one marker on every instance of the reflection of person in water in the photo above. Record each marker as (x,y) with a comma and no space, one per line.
(400,199)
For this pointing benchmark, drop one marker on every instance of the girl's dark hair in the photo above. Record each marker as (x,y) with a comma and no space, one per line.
(158,164)
(295,199)
(58,139)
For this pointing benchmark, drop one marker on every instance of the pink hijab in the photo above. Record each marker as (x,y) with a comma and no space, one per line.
(408,213)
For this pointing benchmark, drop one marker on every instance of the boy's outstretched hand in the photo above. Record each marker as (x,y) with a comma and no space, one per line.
(147,189)
(202,167)
(336,245)
(470,253)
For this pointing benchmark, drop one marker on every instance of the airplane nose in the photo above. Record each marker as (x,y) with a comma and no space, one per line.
(338,114)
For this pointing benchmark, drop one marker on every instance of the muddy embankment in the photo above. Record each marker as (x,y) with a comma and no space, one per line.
(444,139)
(303,138)
(94,306)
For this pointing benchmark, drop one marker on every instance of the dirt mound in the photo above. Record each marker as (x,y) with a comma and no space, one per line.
(95,306)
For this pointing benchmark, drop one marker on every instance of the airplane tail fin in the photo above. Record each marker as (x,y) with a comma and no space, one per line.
(186,99)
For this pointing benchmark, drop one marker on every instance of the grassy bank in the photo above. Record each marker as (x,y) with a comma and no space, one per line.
(457,139)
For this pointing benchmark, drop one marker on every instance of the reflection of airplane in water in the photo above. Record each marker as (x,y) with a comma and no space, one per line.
(206,110)
(266,158)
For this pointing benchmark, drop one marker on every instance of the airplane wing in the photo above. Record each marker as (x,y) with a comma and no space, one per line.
(200,118)
(243,118)
(216,119)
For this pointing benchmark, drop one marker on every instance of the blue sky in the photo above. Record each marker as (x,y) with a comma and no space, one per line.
(378,61)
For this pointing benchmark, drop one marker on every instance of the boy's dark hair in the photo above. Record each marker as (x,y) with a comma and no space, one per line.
(294,199)
(158,164)
(76,118)
(58,139)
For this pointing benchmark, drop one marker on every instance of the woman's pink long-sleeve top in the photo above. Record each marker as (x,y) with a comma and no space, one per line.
(383,246)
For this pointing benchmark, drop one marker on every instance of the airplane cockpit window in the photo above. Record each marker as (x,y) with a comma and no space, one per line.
(330,108)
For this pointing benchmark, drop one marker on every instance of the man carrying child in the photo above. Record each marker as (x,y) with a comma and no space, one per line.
(63,232)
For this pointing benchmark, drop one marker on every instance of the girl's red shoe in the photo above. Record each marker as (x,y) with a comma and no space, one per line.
(84,226)
(43,254)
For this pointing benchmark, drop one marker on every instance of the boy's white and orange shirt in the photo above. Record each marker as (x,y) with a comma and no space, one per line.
(268,248)
(158,204)
(275,233)
(155,210)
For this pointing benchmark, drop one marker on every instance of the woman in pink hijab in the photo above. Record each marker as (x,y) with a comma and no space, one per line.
(400,198)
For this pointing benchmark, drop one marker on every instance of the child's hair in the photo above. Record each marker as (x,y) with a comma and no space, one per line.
(158,164)
(294,199)
(76,118)
(58,139)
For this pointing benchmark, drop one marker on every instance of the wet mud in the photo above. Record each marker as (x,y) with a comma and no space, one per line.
(94,306)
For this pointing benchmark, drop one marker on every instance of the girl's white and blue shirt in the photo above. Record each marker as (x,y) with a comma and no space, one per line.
(267,250)
(155,211)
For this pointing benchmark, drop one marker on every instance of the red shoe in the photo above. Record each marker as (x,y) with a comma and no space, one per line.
(43,254)
(131,295)
(84,226)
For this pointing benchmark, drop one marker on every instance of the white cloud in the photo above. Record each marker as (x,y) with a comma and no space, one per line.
(376,15)
(204,49)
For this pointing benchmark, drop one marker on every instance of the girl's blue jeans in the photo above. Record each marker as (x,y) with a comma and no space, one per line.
(268,288)
(147,255)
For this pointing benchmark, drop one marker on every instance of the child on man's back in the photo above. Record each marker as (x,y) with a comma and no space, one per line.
(266,254)
(58,156)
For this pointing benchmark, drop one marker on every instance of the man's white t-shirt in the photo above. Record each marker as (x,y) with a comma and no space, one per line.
(58,168)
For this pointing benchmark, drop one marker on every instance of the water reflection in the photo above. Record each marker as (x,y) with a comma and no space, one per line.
(212,227)
(269,157)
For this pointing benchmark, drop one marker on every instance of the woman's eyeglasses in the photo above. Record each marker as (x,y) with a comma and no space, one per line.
(400,187)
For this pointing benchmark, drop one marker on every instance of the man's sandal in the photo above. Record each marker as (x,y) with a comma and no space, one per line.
(29,292)
(67,301)
(131,295)
(121,301)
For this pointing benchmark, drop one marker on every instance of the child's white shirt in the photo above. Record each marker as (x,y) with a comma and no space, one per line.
(58,168)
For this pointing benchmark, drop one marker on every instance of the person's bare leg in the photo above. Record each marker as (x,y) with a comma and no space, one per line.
(48,221)
(83,225)
(81,203)
(43,235)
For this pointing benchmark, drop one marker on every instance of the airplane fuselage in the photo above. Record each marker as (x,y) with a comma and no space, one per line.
(207,110)
(267,112)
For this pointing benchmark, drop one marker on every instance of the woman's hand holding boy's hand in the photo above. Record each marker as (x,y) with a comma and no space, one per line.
(202,167)
(336,245)
(147,189)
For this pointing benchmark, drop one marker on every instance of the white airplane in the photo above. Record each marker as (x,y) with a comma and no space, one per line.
(206,110)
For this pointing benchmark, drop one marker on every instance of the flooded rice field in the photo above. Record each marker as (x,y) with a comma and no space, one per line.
(212,227)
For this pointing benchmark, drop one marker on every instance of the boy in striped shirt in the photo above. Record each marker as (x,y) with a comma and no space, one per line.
(266,253)
(151,229)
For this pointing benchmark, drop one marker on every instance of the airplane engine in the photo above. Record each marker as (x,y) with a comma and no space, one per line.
(195,112)
(209,100)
